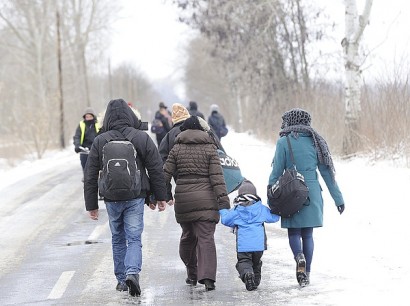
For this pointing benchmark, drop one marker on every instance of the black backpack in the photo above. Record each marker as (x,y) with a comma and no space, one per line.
(290,193)
(120,178)
(157,127)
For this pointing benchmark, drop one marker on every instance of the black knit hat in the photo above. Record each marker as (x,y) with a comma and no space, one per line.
(192,123)
(296,116)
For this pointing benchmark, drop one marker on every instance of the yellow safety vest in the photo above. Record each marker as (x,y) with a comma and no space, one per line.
(82,128)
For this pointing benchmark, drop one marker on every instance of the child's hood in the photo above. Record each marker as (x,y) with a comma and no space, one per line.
(249,212)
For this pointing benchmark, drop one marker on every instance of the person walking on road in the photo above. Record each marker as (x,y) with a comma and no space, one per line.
(199,195)
(162,123)
(126,209)
(84,135)
(310,152)
(217,122)
(193,110)
(179,115)
(247,218)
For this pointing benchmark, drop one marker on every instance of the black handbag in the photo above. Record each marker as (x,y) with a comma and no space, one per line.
(288,195)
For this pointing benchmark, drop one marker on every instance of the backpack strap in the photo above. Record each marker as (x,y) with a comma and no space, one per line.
(107,136)
(133,133)
(291,152)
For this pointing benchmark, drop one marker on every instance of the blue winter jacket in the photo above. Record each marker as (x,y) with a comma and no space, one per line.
(311,215)
(249,217)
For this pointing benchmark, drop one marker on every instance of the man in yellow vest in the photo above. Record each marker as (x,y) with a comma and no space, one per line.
(84,135)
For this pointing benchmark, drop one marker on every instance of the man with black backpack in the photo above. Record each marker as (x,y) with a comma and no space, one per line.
(117,167)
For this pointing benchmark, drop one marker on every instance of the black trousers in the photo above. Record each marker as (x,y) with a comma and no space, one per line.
(249,262)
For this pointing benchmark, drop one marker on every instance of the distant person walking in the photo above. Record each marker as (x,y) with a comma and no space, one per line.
(125,207)
(247,218)
(217,122)
(310,152)
(84,135)
(193,110)
(179,115)
(200,193)
(162,123)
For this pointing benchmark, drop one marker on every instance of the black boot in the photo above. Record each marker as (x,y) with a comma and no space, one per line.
(133,284)
(249,280)
(301,275)
(209,284)
(191,282)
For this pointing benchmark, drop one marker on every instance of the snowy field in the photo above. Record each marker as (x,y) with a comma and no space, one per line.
(359,256)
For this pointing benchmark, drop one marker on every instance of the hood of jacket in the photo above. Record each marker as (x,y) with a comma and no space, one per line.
(194,137)
(248,211)
(119,116)
(193,105)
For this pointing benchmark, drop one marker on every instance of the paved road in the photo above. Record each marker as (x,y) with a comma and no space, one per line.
(51,253)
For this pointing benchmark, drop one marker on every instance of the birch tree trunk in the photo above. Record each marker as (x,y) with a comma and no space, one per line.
(354,27)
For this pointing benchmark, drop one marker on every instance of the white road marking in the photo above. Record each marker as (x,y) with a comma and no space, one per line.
(99,229)
(61,285)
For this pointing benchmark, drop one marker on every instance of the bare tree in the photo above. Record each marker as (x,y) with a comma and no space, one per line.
(29,70)
(355,25)
(261,47)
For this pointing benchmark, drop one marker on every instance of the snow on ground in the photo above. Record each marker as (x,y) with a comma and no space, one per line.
(360,256)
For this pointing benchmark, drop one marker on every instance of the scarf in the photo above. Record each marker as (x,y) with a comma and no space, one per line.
(298,121)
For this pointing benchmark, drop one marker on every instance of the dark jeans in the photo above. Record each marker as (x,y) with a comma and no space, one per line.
(301,241)
(249,262)
(83,160)
(197,250)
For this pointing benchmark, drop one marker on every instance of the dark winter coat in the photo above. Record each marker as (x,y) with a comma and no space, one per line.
(216,122)
(200,187)
(165,123)
(90,132)
(249,218)
(168,141)
(120,117)
(311,215)
(193,110)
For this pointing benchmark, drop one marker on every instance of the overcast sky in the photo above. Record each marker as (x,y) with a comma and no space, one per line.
(150,36)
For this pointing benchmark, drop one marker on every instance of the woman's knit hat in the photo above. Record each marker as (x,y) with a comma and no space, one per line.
(214,108)
(90,111)
(247,187)
(179,113)
(296,116)
(192,123)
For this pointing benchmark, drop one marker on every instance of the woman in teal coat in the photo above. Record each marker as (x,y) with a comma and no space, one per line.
(310,152)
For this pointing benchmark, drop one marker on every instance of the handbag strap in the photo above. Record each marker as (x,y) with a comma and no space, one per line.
(291,152)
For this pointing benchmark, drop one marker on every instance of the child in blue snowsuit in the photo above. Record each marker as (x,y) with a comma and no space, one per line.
(248,217)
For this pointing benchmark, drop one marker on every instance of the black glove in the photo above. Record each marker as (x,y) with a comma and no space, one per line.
(341,208)
(77,149)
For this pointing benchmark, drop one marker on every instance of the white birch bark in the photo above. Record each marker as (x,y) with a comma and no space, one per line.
(354,28)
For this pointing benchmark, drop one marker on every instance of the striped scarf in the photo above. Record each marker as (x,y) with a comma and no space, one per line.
(246,198)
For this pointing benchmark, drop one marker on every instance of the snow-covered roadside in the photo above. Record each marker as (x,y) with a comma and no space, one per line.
(360,256)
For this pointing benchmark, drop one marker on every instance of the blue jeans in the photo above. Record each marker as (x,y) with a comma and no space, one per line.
(301,241)
(126,224)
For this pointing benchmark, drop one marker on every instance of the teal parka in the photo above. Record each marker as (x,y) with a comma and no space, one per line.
(307,163)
